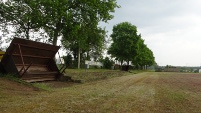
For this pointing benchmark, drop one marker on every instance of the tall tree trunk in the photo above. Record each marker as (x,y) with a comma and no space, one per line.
(54,41)
(27,34)
(56,33)
(78,63)
(27,31)
(128,62)
(121,62)
(88,57)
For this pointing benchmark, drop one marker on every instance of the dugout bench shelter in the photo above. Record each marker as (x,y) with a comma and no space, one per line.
(31,61)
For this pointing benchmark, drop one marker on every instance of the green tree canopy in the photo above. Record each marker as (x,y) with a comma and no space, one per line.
(125,41)
(20,16)
(75,21)
(87,40)
(144,57)
(128,46)
(54,16)
(107,63)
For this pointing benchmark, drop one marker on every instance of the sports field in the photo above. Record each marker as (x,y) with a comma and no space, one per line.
(147,92)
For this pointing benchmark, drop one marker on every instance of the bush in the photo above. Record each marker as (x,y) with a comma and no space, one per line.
(68,60)
(107,63)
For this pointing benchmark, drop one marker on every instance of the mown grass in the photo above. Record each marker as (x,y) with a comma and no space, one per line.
(43,86)
(94,74)
(78,75)
(102,70)
(13,77)
(39,85)
(131,93)
(178,93)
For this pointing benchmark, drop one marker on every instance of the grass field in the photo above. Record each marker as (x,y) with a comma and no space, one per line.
(147,92)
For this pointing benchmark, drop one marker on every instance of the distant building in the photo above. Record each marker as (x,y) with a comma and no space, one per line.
(172,69)
(199,70)
(93,63)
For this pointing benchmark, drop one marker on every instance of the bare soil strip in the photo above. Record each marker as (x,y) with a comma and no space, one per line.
(141,93)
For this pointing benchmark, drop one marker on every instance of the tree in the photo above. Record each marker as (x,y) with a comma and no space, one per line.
(144,57)
(89,41)
(22,17)
(54,16)
(107,63)
(68,60)
(125,42)
(75,19)
(128,46)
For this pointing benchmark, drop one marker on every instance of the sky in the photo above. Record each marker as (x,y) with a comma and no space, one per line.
(170,28)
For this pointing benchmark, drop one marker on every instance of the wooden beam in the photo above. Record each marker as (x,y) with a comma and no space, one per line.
(33,56)
(34,47)
(21,57)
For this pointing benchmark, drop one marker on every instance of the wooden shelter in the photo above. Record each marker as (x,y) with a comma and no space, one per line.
(31,61)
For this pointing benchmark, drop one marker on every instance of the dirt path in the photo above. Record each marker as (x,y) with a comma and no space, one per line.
(146,92)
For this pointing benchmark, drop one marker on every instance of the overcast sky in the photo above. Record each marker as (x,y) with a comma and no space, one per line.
(170,28)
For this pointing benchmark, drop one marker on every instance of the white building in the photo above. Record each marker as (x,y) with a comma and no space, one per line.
(199,70)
